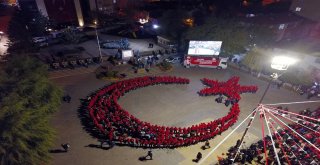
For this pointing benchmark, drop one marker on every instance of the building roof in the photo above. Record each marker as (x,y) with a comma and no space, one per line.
(308,9)
(272,19)
(308,46)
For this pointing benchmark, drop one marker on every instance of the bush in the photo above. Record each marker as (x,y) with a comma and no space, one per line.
(164,65)
(296,78)
(107,74)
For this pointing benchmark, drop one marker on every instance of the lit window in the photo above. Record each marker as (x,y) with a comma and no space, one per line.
(298,8)
(281,27)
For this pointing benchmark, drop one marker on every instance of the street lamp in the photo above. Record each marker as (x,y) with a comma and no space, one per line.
(98,41)
(1,33)
(280,63)
(155,26)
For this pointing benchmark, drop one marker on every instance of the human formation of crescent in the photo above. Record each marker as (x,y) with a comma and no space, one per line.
(116,124)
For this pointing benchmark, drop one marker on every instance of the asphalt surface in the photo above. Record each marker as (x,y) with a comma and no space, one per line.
(171,105)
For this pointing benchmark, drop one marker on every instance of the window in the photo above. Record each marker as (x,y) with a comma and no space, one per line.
(298,8)
(281,26)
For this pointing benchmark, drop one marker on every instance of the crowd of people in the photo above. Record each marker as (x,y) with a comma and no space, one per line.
(119,126)
(290,147)
(231,89)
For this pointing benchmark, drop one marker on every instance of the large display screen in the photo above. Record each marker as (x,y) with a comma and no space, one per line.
(127,54)
(204,48)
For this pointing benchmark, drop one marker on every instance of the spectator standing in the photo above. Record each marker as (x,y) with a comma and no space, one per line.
(65,146)
(199,157)
(149,155)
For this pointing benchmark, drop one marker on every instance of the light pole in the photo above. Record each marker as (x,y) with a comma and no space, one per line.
(1,33)
(280,63)
(98,41)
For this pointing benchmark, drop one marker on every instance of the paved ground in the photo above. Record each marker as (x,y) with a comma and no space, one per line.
(172,105)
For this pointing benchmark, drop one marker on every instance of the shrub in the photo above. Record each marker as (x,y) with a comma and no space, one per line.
(164,65)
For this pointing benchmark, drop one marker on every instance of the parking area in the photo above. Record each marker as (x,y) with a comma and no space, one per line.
(63,56)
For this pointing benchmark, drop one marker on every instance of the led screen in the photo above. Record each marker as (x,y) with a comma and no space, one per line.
(127,53)
(204,47)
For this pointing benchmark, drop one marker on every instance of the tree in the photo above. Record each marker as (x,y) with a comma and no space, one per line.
(256,60)
(261,35)
(171,24)
(23,26)
(72,36)
(233,35)
(27,101)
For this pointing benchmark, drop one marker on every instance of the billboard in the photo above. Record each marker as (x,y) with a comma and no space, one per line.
(209,48)
(204,61)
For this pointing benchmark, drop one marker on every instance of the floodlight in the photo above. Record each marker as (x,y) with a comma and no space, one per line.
(155,26)
(282,62)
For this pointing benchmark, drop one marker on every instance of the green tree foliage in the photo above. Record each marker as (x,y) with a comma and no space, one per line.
(233,35)
(297,76)
(73,37)
(257,60)
(171,23)
(23,26)
(27,101)
(261,35)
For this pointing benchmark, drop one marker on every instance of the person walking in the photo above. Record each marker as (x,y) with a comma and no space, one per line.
(65,146)
(207,145)
(199,157)
(149,155)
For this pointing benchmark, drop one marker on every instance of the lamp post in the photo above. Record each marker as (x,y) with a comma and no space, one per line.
(280,63)
(1,33)
(98,41)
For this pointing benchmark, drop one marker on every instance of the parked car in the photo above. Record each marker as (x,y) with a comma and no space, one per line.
(39,39)
(43,44)
(236,58)
(174,59)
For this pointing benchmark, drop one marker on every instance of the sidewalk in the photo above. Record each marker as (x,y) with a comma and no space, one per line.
(129,71)
(263,77)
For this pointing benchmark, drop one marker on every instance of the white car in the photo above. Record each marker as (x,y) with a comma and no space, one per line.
(39,39)
(238,57)
(174,59)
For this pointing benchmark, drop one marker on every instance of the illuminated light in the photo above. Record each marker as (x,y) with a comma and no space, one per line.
(143,21)
(81,23)
(155,26)
(282,62)
(188,21)
(95,22)
(1,32)
(245,3)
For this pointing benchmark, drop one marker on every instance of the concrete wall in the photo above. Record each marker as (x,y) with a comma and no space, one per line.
(42,7)
(79,12)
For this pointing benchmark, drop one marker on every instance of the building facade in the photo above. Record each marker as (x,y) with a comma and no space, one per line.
(308,9)
(76,11)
